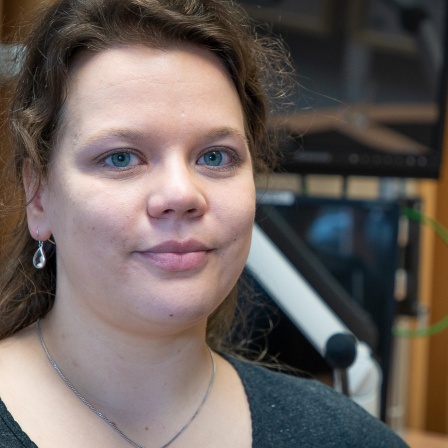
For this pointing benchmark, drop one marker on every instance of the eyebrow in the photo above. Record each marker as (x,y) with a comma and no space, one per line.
(121,133)
(138,136)
(223,132)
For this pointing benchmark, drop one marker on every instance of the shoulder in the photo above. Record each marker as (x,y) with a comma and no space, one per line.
(15,355)
(287,410)
(11,435)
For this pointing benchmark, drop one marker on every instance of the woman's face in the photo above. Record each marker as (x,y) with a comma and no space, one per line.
(150,195)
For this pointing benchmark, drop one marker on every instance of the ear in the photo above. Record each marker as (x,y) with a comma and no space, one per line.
(35,210)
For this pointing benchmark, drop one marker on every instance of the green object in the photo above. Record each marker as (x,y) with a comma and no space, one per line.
(442,232)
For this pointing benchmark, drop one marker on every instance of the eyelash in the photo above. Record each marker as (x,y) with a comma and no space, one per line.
(234,157)
(123,151)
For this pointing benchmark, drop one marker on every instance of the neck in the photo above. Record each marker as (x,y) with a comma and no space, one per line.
(120,370)
(109,422)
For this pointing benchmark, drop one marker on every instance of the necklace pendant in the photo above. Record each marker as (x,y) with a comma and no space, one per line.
(39,259)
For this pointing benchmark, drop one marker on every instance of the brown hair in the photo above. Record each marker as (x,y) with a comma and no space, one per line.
(68,27)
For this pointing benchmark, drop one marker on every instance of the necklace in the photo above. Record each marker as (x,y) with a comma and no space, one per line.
(109,422)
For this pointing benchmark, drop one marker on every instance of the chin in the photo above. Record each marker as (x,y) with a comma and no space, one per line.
(184,312)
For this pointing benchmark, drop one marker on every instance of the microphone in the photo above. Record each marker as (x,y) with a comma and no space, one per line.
(340,352)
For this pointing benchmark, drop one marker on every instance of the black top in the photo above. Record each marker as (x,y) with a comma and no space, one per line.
(287,412)
(291,412)
(11,436)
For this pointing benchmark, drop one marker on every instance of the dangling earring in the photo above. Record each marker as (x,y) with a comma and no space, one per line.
(39,259)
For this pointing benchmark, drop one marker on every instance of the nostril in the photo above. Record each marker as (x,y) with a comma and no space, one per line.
(171,203)
(170,211)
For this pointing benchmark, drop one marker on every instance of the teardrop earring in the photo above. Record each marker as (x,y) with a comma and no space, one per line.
(39,259)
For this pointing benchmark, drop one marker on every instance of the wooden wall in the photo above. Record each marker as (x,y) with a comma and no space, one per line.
(428,367)
(16,15)
(437,386)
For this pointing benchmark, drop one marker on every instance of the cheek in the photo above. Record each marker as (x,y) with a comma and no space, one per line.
(86,214)
(240,219)
(238,231)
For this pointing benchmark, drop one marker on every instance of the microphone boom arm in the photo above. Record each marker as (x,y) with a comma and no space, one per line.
(309,312)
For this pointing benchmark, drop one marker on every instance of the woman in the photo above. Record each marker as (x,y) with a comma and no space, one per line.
(137,126)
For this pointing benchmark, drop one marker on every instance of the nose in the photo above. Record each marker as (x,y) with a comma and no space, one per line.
(177,193)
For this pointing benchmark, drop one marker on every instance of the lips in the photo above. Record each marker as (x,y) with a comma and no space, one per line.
(177,255)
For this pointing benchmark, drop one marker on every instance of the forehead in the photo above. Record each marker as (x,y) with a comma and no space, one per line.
(148,86)
(180,65)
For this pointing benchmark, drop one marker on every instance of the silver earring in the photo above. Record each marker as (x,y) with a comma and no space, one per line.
(39,259)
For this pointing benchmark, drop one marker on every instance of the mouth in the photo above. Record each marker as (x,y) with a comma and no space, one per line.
(179,247)
(178,256)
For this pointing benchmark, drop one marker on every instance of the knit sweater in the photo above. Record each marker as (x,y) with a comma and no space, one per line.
(287,412)
(291,412)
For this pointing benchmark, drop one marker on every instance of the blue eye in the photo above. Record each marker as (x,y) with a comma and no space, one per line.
(212,158)
(120,159)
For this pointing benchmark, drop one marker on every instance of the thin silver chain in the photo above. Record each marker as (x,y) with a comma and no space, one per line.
(109,422)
